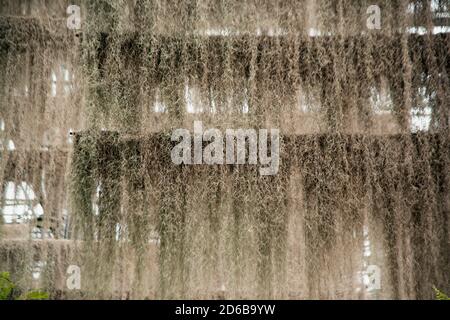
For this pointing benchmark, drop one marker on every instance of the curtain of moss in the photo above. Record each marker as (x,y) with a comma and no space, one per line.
(341,92)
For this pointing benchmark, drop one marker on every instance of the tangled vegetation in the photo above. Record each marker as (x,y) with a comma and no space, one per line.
(354,173)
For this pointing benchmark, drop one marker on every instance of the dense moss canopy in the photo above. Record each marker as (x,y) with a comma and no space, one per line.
(357,185)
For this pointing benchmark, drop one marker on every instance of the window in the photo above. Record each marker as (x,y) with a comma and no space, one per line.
(19,205)
(61,81)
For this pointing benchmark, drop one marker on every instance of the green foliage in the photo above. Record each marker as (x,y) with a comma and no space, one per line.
(440,295)
(6,286)
(34,295)
(7,289)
